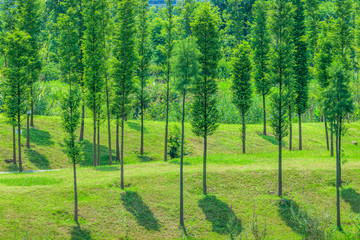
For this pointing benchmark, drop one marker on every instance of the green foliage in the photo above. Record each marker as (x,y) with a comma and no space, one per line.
(174,143)
(205,29)
(241,77)
(301,75)
(281,65)
(312,18)
(16,48)
(260,42)
(124,59)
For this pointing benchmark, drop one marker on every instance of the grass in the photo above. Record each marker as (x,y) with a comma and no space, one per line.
(40,205)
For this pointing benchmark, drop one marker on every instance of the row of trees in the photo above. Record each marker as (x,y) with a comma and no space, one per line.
(105,54)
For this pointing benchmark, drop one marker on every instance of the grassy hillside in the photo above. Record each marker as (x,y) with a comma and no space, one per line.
(47,146)
(40,205)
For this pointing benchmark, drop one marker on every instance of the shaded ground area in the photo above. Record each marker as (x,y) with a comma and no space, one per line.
(350,196)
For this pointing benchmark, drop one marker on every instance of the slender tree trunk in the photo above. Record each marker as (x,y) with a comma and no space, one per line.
(340,127)
(142,121)
(82,127)
(243,131)
(117,139)
(204,164)
(122,142)
(327,134)
(167,118)
(264,110)
(182,164)
(108,108)
(19,140)
(82,114)
(14,145)
(94,137)
(280,165)
(75,195)
(300,133)
(331,140)
(27,132)
(338,221)
(32,106)
(290,130)
(98,141)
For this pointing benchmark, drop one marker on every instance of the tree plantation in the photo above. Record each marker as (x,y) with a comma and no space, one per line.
(137,119)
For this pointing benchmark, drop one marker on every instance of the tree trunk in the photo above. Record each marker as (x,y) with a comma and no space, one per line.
(311,114)
(14,145)
(337,179)
(331,140)
(98,141)
(300,133)
(122,142)
(32,106)
(204,164)
(167,119)
(340,126)
(280,165)
(107,106)
(27,132)
(142,121)
(290,130)
(82,115)
(19,141)
(264,110)
(327,134)
(182,164)
(75,195)
(243,131)
(94,137)
(117,139)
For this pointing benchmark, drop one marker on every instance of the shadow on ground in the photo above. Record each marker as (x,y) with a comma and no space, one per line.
(79,233)
(135,126)
(135,205)
(223,219)
(88,154)
(39,137)
(350,196)
(177,161)
(270,139)
(39,160)
(144,158)
(300,220)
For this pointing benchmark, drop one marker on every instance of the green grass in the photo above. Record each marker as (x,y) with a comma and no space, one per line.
(40,205)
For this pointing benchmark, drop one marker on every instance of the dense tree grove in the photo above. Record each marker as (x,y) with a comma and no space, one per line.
(204,63)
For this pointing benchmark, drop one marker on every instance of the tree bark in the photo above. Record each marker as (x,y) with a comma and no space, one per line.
(340,130)
(82,115)
(94,137)
(300,133)
(264,110)
(117,139)
(167,119)
(108,108)
(204,164)
(14,145)
(142,121)
(122,142)
(182,163)
(243,131)
(290,130)
(331,140)
(27,132)
(280,165)
(32,106)
(75,195)
(338,220)
(19,140)
(327,134)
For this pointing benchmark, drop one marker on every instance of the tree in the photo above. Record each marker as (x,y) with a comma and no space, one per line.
(300,64)
(186,69)
(312,18)
(205,114)
(8,22)
(123,64)
(260,45)
(93,49)
(281,65)
(144,54)
(169,43)
(29,21)
(241,78)
(17,47)
(69,53)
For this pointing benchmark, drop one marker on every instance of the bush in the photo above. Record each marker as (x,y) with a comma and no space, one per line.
(174,143)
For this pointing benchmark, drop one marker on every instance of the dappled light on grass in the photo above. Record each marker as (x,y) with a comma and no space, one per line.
(134,204)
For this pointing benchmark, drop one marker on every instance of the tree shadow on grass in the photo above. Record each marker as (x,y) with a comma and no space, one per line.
(270,139)
(88,154)
(107,168)
(300,220)
(350,196)
(135,205)
(177,162)
(223,219)
(79,233)
(144,158)
(135,126)
(39,160)
(39,137)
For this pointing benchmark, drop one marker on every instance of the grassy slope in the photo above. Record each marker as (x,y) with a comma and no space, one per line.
(148,209)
